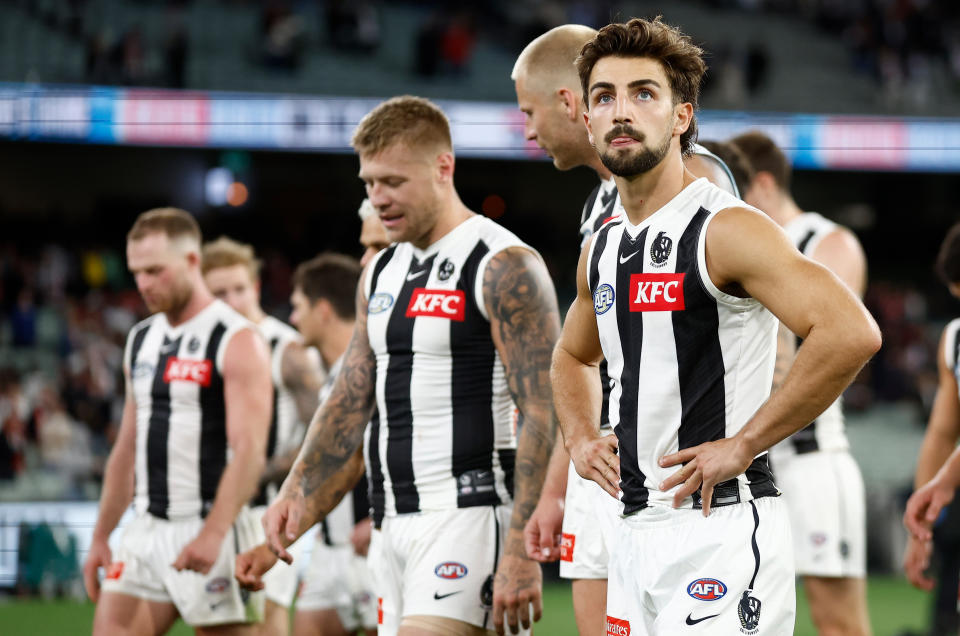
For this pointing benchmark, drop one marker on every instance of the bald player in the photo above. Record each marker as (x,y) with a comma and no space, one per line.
(573,516)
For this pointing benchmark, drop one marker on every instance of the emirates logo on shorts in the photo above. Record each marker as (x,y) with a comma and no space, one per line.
(617,626)
(566,547)
(115,571)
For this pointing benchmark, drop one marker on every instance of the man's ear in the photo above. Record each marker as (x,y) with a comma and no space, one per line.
(570,102)
(586,122)
(683,115)
(445,166)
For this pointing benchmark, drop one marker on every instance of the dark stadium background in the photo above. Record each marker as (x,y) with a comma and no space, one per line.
(65,207)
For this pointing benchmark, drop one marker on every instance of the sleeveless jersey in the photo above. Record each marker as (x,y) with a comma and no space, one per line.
(603,205)
(177,385)
(827,431)
(952,351)
(689,363)
(286,429)
(445,436)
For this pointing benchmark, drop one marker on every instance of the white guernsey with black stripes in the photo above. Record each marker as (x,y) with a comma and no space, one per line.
(690,363)
(445,436)
(177,385)
(286,429)
(827,431)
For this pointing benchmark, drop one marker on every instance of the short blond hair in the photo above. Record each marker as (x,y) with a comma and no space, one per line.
(412,121)
(174,222)
(225,252)
(548,62)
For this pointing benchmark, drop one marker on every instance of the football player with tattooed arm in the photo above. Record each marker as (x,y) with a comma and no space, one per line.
(456,324)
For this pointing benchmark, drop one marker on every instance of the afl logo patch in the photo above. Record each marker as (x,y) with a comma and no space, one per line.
(603,299)
(379,303)
(707,589)
(450,570)
(446,269)
(660,249)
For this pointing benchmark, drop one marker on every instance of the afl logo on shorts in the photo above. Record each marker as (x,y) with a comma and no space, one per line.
(218,585)
(450,570)
(707,589)
(603,299)
(379,303)
(660,249)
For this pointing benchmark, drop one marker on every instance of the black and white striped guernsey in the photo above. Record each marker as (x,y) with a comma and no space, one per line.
(827,432)
(177,385)
(690,363)
(286,429)
(952,347)
(445,433)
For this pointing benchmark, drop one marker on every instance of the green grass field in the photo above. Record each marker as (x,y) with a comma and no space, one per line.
(894,606)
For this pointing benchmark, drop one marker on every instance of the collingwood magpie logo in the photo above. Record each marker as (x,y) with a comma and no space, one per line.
(749,613)
(446,269)
(660,249)
(193,345)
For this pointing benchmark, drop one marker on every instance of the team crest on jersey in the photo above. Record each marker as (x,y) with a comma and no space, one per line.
(660,249)
(379,303)
(707,589)
(656,292)
(197,371)
(749,613)
(193,345)
(446,269)
(603,299)
(437,303)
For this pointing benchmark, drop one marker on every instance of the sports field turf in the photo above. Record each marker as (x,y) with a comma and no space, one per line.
(894,606)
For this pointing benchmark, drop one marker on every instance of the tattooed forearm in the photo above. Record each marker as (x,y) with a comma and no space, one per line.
(302,378)
(525,324)
(333,440)
(786,352)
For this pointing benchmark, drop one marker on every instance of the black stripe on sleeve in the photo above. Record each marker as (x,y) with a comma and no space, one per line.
(630,326)
(956,352)
(378,268)
(272,437)
(399,412)
(588,205)
(593,273)
(213,424)
(696,332)
(473,355)
(375,470)
(158,431)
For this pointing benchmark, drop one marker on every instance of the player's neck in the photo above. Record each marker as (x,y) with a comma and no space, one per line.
(200,298)
(334,346)
(452,213)
(645,193)
(785,211)
(257,315)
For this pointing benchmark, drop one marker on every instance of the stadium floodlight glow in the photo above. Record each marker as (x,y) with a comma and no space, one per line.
(217,186)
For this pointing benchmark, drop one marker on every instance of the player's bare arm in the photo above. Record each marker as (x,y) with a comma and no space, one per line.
(577,394)
(302,376)
(331,458)
(943,431)
(839,337)
(542,533)
(841,253)
(786,351)
(116,496)
(524,323)
(248,395)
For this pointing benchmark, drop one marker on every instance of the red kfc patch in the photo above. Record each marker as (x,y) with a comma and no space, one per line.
(437,303)
(115,571)
(656,292)
(566,547)
(179,370)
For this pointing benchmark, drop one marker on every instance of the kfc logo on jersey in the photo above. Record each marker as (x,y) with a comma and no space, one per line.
(198,371)
(656,292)
(567,542)
(437,303)
(707,589)
(617,626)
